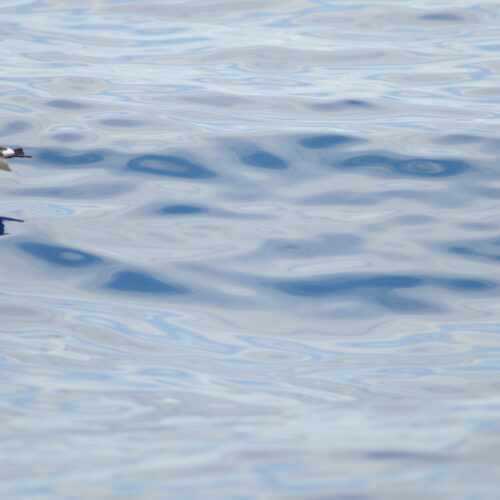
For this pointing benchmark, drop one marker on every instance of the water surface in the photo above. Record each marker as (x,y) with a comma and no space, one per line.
(260,250)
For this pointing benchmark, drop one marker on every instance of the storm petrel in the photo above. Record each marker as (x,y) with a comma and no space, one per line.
(10,153)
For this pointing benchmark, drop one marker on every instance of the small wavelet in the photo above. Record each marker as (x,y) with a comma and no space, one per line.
(121,122)
(66,104)
(171,166)
(335,285)
(486,249)
(79,192)
(419,167)
(66,137)
(357,199)
(138,282)
(56,157)
(345,105)
(15,127)
(182,210)
(58,255)
(381,289)
(263,159)
(328,140)
(300,248)
(442,16)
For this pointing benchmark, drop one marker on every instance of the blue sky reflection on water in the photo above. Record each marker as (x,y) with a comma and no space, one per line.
(260,250)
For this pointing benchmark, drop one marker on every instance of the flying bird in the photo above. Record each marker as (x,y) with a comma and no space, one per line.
(10,153)
(2,225)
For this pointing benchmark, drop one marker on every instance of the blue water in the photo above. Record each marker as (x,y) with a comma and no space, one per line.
(260,250)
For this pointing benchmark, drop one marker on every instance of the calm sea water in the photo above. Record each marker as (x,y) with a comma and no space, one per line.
(260,251)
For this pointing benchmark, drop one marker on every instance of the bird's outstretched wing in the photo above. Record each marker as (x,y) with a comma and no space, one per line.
(3,164)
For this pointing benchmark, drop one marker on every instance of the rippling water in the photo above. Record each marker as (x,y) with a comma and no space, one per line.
(260,250)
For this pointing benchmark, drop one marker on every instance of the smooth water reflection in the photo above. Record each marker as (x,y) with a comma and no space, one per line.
(259,250)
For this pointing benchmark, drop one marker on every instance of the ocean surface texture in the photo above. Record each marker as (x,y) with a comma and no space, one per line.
(260,250)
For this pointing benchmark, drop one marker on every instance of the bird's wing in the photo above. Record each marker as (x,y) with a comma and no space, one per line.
(10,218)
(3,164)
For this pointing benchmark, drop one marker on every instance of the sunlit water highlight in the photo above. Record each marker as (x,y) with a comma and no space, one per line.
(260,250)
